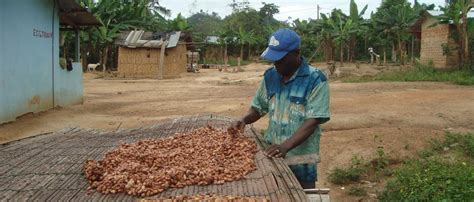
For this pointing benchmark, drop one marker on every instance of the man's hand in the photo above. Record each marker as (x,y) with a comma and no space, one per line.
(276,150)
(236,127)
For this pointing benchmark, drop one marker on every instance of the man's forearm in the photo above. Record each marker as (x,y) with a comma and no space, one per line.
(251,116)
(303,132)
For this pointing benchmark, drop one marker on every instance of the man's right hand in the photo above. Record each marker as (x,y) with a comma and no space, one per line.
(236,127)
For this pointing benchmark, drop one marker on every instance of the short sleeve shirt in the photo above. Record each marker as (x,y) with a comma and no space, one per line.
(304,96)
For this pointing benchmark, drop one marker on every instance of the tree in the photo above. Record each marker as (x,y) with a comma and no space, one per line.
(204,24)
(245,37)
(242,20)
(343,30)
(359,28)
(117,16)
(306,31)
(267,11)
(394,18)
(324,37)
(179,24)
(239,6)
(456,12)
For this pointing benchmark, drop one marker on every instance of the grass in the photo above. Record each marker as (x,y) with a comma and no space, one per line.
(444,172)
(358,191)
(421,73)
(351,174)
(432,180)
(342,176)
(360,168)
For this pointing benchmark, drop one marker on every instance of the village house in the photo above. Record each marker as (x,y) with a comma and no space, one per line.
(436,43)
(153,55)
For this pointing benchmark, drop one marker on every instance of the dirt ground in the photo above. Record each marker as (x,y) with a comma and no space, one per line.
(400,117)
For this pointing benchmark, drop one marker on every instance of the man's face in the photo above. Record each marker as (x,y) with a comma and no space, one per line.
(287,65)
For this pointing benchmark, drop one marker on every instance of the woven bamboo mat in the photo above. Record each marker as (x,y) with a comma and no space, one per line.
(49,167)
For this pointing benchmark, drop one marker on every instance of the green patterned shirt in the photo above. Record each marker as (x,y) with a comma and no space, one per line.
(304,96)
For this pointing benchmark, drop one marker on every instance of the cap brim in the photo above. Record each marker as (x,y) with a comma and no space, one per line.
(273,55)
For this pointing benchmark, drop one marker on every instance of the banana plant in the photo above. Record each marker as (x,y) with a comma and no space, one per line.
(179,24)
(245,37)
(359,26)
(396,22)
(456,12)
(342,32)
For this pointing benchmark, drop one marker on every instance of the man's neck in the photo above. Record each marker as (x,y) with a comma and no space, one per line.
(295,69)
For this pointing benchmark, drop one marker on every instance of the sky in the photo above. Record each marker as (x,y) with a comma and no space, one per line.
(293,9)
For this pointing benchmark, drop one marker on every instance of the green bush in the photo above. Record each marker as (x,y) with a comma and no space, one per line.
(463,143)
(343,176)
(431,180)
(381,161)
(434,178)
(351,174)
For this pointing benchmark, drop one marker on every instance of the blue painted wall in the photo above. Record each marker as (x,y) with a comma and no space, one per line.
(29,60)
(68,86)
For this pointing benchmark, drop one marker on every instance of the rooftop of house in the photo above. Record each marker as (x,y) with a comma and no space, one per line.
(139,38)
(470,14)
(416,27)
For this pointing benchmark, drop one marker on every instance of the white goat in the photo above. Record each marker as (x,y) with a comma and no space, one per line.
(91,67)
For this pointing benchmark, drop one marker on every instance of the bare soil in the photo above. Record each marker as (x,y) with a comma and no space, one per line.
(401,117)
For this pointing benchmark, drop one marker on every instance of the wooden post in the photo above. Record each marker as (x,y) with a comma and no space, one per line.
(225,56)
(77,49)
(162,59)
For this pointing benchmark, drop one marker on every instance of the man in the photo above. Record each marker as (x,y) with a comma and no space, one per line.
(296,98)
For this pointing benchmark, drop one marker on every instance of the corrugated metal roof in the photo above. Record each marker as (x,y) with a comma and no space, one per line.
(435,13)
(212,39)
(134,39)
(470,14)
(173,39)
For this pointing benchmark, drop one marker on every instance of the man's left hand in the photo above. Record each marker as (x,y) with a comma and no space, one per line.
(276,150)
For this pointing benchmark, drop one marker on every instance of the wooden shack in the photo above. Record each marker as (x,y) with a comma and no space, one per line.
(141,56)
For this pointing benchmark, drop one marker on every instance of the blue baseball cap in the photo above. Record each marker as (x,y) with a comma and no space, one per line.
(281,42)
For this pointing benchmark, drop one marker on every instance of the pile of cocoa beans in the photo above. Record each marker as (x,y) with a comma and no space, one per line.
(203,156)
